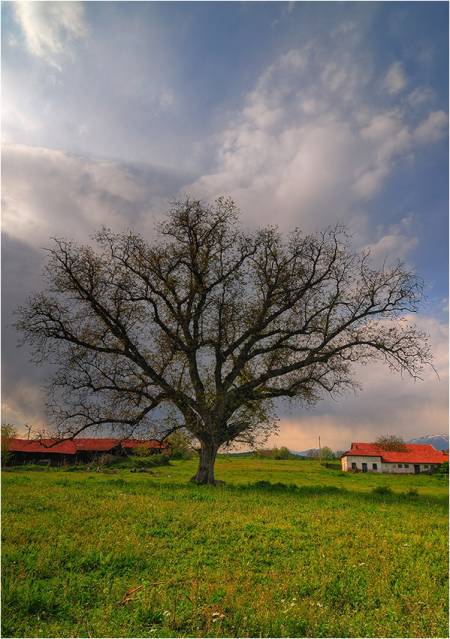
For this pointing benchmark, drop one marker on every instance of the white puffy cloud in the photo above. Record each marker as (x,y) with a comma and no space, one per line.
(50,28)
(395,80)
(48,192)
(394,243)
(311,146)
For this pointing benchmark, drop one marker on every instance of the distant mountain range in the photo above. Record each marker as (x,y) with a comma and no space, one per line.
(311,452)
(440,442)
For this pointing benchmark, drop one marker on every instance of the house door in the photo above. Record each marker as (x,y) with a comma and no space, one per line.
(417,468)
(364,467)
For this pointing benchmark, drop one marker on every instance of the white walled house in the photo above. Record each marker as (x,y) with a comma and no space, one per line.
(416,458)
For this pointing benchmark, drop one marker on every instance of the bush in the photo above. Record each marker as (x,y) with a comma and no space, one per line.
(332,466)
(8,433)
(101,462)
(275,453)
(322,453)
(442,471)
(382,490)
(150,460)
(180,445)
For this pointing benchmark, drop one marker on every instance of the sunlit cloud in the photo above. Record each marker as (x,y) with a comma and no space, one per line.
(395,80)
(316,151)
(49,28)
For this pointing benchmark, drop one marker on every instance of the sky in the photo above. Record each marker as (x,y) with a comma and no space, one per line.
(305,113)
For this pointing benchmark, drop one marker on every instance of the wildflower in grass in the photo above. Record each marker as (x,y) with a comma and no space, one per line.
(218,616)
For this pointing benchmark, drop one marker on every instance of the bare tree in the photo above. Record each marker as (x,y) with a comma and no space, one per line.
(8,433)
(215,323)
(391,442)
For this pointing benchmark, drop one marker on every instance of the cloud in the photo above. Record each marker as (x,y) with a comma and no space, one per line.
(420,96)
(395,244)
(24,404)
(312,141)
(50,28)
(395,80)
(433,128)
(51,193)
(287,9)
(48,192)
(22,398)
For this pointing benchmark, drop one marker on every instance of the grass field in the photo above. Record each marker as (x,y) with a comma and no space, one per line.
(89,554)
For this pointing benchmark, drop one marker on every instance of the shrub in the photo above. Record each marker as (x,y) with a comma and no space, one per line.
(322,453)
(275,453)
(332,466)
(101,462)
(382,490)
(442,471)
(151,460)
(180,445)
(8,433)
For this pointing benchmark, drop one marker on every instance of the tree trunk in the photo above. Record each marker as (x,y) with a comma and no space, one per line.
(205,471)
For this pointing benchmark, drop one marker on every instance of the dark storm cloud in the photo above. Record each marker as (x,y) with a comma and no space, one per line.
(48,193)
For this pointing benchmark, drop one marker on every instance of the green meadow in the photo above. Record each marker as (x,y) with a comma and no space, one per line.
(282,548)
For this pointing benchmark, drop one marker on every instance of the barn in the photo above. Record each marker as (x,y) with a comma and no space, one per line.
(78,450)
(90,448)
(415,458)
(44,451)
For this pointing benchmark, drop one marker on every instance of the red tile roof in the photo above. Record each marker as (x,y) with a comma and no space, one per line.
(94,443)
(82,444)
(413,453)
(49,446)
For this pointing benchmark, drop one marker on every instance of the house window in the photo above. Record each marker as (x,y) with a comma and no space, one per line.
(354,466)
(405,465)
(374,466)
(400,465)
(425,465)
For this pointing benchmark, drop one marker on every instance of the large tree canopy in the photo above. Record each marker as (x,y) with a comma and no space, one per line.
(213,323)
